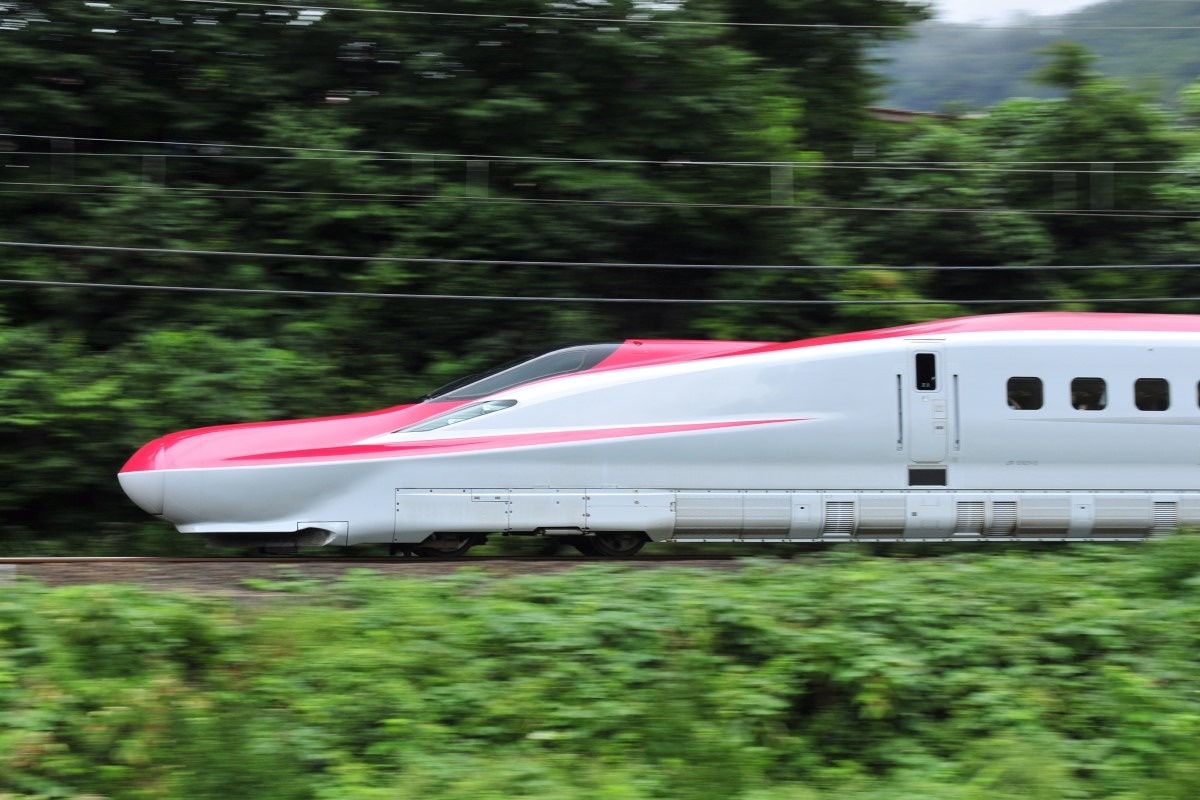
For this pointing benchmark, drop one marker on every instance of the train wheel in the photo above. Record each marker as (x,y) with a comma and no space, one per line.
(618,545)
(584,544)
(446,545)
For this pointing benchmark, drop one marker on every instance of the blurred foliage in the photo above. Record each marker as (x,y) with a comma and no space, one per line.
(471,137)
(1057,674)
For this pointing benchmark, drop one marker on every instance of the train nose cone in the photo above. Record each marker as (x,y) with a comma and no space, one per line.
(147,489)
(143,479)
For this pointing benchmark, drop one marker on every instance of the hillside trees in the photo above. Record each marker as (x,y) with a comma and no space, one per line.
(1148,45)
(1081,180)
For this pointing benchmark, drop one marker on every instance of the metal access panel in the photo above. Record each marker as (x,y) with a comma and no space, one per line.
(766,514)
(1124,515)
(930,515)
(881,515)
(420,512)
(807,515)
(531,509)
(647,510)
(1046,515)
(753,515)
(708,513)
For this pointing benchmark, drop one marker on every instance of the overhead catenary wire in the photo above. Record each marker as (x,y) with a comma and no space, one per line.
(146,287)
(437,156)
(845,165)
(582,264)
(1165,214)
(647,20)
(577,300)
(1084,167)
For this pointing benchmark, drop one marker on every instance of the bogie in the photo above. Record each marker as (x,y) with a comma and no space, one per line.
(618,545)
(448,545)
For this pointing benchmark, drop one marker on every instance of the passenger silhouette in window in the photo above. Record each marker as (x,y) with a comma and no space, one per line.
(1088,394)
(1024,394)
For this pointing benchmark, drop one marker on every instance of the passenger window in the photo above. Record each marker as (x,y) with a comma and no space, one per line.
(926,372)
(1025,394)
(1089,394)
(1151,394)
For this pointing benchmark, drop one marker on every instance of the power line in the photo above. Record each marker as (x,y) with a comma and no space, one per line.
(215,192)
(654,21)
(632,20)
(417,154)
(592,264)
(1084,167)
(442,156)
(553,299)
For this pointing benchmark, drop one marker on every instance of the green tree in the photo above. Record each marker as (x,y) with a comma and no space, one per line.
(546,137)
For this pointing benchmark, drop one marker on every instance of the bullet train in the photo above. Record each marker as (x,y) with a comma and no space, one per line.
(1011,427)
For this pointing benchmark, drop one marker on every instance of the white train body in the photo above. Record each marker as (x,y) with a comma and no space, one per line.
(1036,427)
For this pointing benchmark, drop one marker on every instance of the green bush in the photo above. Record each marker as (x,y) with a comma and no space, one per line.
(1061,674)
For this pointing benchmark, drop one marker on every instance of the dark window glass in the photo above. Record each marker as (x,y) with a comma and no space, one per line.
(1151,394)
(1025,394)
(926,372)
(526,370)
(1089,394)
(926,476)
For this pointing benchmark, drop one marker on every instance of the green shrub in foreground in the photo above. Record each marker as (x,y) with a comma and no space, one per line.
(985,675)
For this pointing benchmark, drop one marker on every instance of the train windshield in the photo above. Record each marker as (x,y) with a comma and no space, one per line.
(461,415)
(524,370)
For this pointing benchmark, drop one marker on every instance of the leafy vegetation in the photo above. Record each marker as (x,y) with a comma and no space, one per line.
(1066,673)
(171,129)
(174,130)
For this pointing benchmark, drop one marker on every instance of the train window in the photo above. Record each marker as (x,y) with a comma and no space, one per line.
(926,372)
(1089,394)
(1151,394)
(1025,394)
(524,370)
(461,414)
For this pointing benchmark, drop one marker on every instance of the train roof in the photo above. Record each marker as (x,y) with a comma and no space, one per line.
(1034,321)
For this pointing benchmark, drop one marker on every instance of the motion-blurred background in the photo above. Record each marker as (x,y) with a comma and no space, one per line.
(215,212)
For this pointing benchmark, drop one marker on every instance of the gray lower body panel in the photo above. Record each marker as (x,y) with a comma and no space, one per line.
(775,516)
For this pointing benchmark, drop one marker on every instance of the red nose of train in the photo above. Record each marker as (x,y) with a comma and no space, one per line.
(144,477)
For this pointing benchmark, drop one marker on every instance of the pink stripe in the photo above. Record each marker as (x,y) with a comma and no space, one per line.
(499,441)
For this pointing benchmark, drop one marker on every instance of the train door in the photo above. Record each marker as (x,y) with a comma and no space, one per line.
(929,403)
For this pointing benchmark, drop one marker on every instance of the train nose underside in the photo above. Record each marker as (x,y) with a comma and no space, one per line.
(242,486)
(194,478)
(147,486)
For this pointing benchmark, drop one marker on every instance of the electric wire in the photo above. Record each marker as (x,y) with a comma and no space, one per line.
(802,165)
(657,21)
(215,192)
(586,264)
(465,157)
(579,300)
(1087,167)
